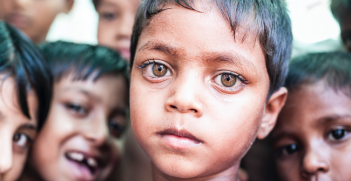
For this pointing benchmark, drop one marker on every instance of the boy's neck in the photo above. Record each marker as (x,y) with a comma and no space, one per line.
(231,174)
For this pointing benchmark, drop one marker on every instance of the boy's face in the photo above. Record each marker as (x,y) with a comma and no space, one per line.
(81,138)
(16,131)
(116,19)
(197,96)
(345,27)
(33,17)
(312,137)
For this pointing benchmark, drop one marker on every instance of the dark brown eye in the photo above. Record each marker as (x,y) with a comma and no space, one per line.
(159,70)
(228,80)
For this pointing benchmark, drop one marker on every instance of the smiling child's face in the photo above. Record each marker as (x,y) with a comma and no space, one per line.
(33,17)
(197,96)
(312,136)
(81,138)
(16,130)
(116,19)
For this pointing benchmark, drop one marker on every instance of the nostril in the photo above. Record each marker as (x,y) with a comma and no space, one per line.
(194,110)
(173,107)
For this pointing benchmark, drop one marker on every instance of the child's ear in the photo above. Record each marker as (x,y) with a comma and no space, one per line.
(68,6)
(271,112)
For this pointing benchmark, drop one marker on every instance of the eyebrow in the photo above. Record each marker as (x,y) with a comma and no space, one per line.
(28,126)
(226,57)
(160,47)
(331,118)
(88,94)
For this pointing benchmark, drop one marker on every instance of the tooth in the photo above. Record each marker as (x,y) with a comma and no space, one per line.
(76,156)
(92,162)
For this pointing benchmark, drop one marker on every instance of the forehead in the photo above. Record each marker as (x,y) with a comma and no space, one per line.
(196,33)
(106,88)
(313,106)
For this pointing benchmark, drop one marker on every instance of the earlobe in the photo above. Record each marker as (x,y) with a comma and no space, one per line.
(272,110)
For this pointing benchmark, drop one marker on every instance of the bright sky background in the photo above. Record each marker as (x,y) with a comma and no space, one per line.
(312,22)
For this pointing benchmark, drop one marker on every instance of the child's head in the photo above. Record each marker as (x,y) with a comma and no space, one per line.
(33,17)
(116,19)
(206,79)
(25,94)
(341,10)
(83,135)
(312,137)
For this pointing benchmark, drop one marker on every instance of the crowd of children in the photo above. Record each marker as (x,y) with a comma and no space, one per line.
(175,90)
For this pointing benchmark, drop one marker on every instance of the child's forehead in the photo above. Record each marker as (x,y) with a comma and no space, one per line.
(200,33)
(314,106)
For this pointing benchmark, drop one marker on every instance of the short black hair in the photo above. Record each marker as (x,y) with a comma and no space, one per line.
(270,20)
(96,3)
(83,61)
(340,7)
(20,59)
(334,68)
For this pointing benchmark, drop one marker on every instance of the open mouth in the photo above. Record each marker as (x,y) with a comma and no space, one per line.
(88,166)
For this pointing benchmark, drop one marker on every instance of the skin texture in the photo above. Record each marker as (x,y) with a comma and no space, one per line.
(195,50)
(345,27)
(116,19)
(16,130)
(80,120)
(33,17)
(305,141)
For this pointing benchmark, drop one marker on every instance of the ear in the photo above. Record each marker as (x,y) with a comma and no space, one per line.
(68,6)
(273,107)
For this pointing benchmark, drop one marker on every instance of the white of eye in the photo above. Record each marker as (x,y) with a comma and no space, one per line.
(22,141)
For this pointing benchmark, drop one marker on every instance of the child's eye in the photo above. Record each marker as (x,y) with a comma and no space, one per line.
(21,140)
(287,150)
(108,16)
(155,70)
(115,129)
(229,82)
(77,109)
(337,134)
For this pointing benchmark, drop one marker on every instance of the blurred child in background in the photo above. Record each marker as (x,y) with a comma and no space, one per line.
(341,10)
(312,137)
(83,136)
(33,17)
(25,94)
(116,19)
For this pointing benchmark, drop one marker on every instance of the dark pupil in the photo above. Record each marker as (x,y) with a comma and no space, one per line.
(228,80)
(291,148)
(116,129)
(16,137)
(338,134)
(159,70)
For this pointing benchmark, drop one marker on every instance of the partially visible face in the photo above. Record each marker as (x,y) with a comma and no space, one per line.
(82,137)
(33,17)
(116,19)
(197,96)
(16,130)
(312,135)
(345,27)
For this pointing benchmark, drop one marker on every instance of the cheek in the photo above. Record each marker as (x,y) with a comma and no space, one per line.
(17,167)
(107,33)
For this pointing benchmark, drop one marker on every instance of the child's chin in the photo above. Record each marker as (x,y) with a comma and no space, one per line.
(181,169)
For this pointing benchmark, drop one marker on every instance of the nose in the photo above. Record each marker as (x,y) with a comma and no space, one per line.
(315,162)
(126,27)
(96,131)
(185,97)
(5,153)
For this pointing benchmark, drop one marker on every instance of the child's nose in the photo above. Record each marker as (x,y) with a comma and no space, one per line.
(185,97)
(97,131)
(315,161)
(6,156)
